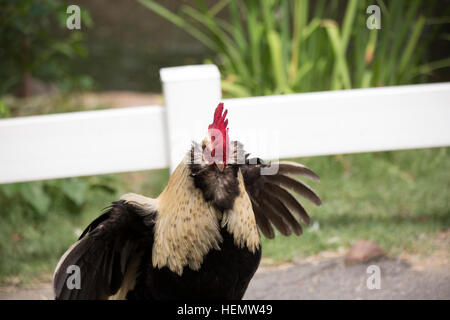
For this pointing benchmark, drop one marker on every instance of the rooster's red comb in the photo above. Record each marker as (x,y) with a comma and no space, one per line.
(220,123)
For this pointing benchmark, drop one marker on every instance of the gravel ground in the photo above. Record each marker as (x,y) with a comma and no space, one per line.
(332,279)
(327,278)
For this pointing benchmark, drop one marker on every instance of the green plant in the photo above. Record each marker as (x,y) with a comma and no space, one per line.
(36,199)
(36,43)
(392,55)
(40,219)
(279,46)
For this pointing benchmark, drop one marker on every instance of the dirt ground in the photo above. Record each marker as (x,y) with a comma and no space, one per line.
(326,276)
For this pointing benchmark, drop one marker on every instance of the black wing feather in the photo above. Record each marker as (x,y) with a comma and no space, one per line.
(272,202)
(290,201)
(295,185)
(262,221)
(283,212)
(271,212)
(104,251)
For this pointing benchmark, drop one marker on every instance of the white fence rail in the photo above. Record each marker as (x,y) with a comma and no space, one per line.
(140,138)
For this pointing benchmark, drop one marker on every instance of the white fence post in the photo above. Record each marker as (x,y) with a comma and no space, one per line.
(191,94)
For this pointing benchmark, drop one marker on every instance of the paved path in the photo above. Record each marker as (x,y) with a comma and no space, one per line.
(331,279)
(322,279)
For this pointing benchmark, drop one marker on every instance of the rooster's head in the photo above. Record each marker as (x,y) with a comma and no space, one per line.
(214,163)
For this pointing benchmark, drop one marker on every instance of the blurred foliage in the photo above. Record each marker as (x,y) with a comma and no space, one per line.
(41,219)
(36,199)
(279,46)
(38,219)
(35,41)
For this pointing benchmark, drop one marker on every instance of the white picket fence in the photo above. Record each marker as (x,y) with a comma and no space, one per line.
(151,137)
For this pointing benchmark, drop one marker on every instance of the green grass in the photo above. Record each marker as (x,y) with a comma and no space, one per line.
(397,199)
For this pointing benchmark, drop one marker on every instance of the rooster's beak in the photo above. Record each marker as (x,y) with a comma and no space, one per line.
(221,166)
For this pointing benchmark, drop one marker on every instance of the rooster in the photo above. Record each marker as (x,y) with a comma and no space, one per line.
(199,239)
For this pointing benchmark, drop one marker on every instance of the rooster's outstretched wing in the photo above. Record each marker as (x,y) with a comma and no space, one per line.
(272,202)
(103,253)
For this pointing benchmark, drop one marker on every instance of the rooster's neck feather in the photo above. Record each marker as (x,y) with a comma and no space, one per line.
(240,220)
(188,226)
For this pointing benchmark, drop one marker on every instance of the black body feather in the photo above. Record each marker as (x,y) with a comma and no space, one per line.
(104,254)
(225,274)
